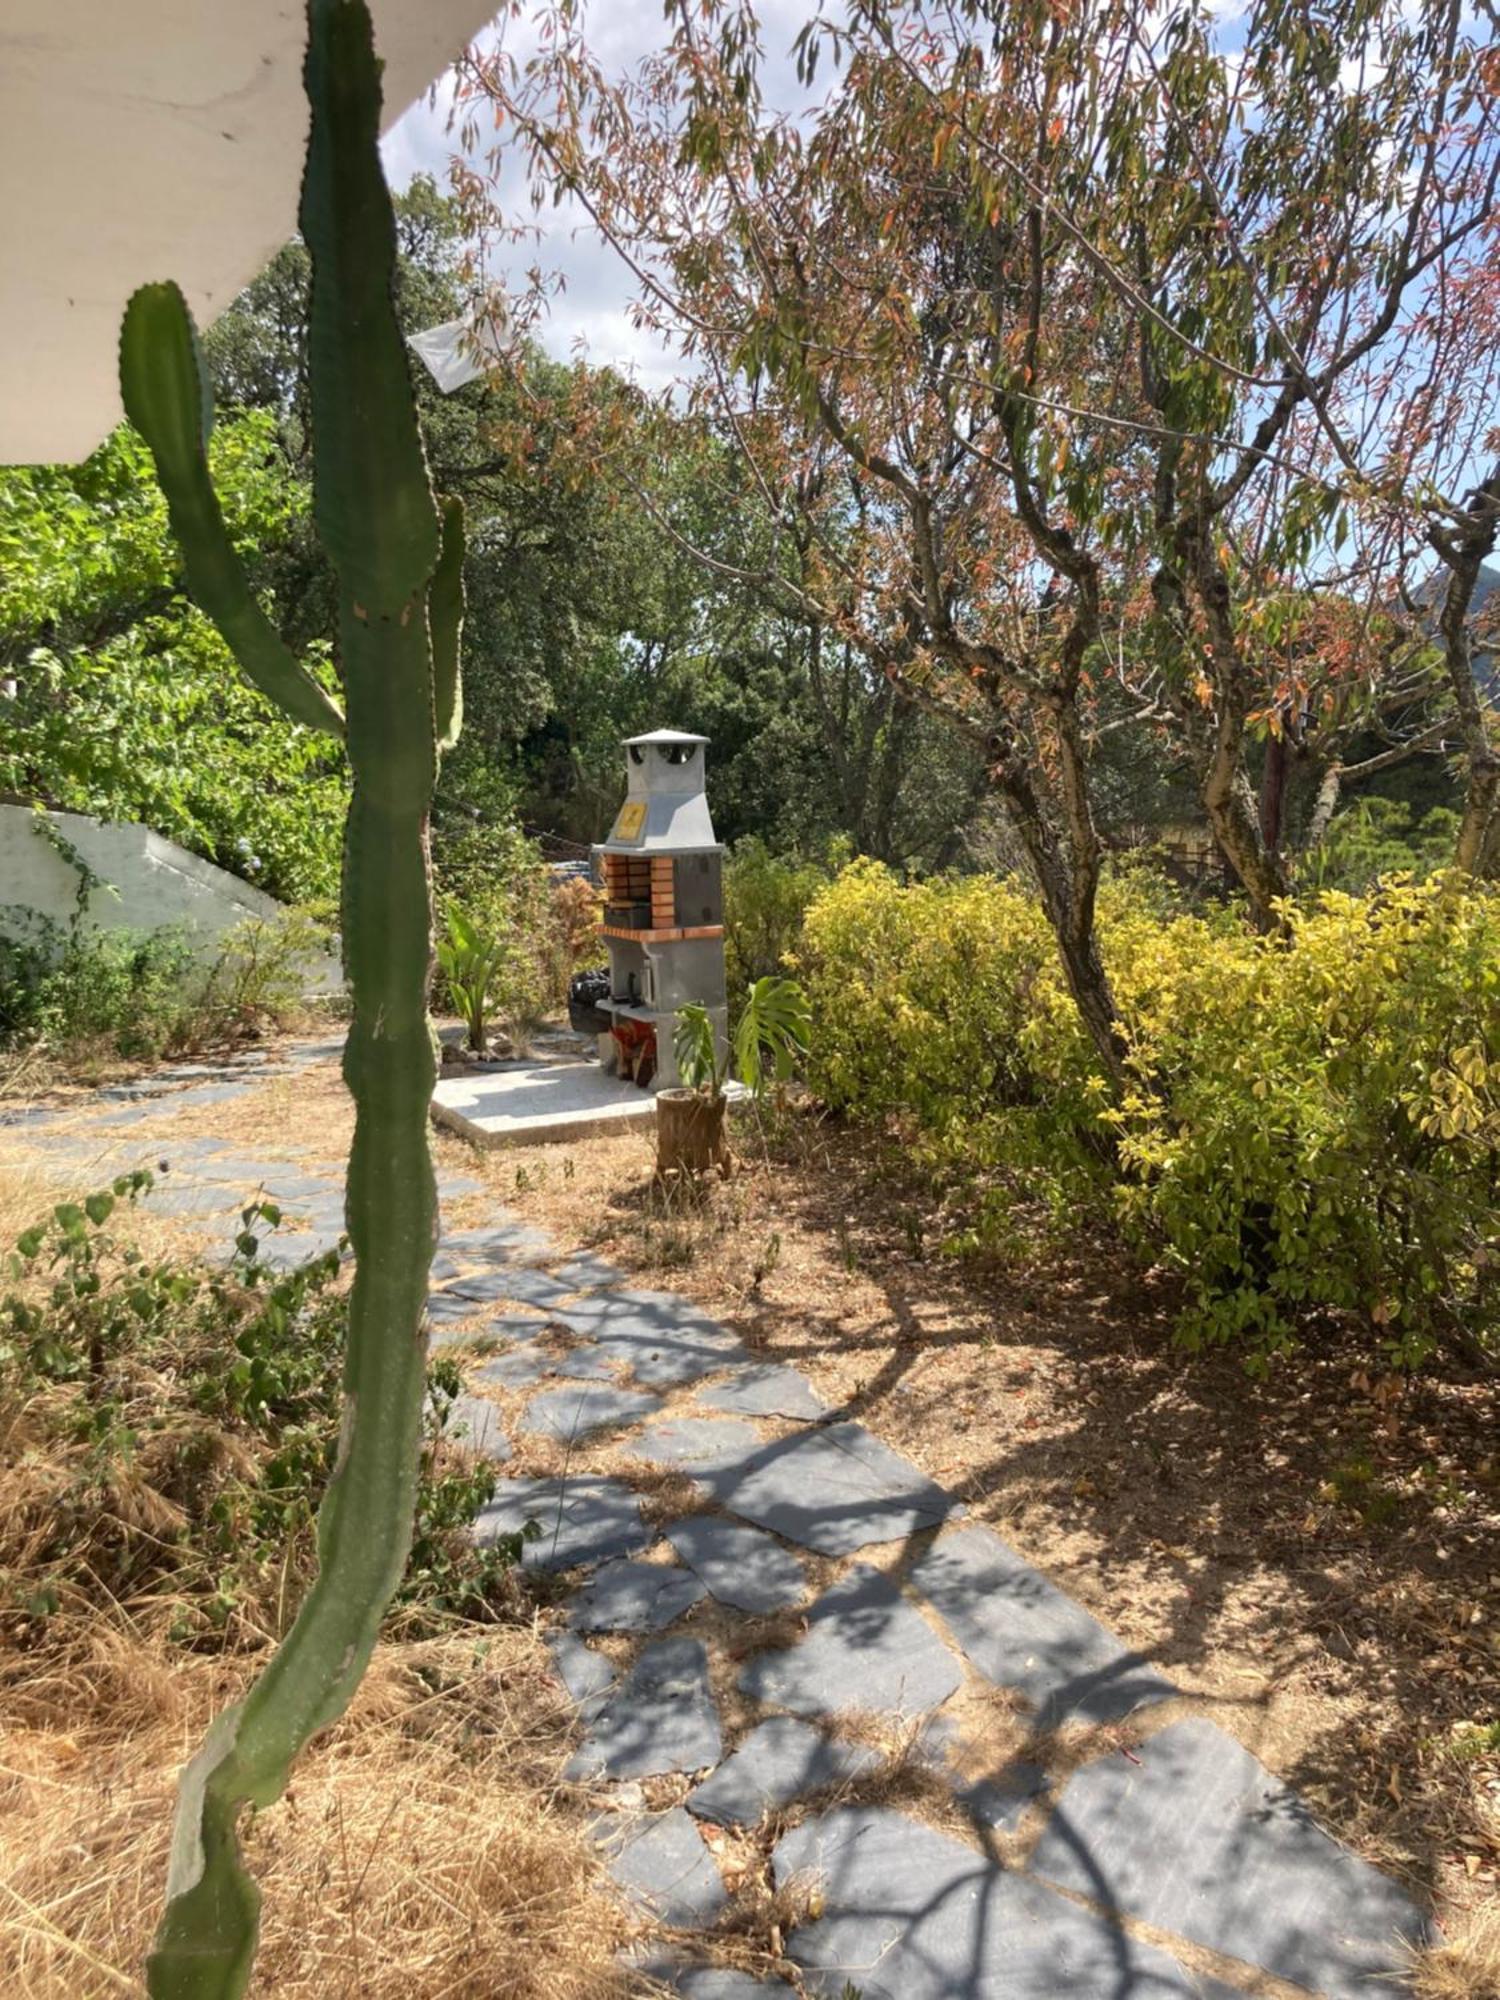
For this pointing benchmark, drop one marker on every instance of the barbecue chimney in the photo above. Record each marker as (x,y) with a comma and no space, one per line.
(662,873)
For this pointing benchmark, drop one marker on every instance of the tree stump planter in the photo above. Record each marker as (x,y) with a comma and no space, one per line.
(690,1133)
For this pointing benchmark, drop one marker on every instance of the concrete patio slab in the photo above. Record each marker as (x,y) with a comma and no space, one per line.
(532,1103)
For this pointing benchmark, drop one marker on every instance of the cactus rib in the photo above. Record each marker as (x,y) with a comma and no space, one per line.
(399,605)
(445,617)
(165,392)
(367,447)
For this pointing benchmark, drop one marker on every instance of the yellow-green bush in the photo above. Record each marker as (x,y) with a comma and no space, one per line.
(1313,1125)
(941,1004)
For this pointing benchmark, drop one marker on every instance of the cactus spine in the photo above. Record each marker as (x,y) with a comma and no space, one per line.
(399,561)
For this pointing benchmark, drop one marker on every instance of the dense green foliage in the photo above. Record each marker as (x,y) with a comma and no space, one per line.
(78,992)
(182,1425)
(585,625)
(1311,1127)
(126,704)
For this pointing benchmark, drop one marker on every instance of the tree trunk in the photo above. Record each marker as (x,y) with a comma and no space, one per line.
(1464,549)
(690,1134)
(1227,797)
(1273,789)
(1069,904)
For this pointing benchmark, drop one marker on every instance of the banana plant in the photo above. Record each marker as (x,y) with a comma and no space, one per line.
(470,963)
(398,557)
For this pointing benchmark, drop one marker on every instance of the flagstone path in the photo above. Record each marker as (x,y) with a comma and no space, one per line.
(771,1585)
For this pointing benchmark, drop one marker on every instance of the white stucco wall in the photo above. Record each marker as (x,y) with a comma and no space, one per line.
(152,883)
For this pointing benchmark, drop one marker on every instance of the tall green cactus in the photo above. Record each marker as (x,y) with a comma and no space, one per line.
(399,563)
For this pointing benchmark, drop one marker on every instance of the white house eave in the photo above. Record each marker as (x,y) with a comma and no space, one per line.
(150,139)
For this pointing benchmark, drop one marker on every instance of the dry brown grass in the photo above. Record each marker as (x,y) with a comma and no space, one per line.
(422,1850)
(1466,1966)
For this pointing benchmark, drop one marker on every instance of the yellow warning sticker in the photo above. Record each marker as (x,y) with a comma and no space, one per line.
(631,820)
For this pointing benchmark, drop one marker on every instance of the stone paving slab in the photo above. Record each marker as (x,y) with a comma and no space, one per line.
(286,1185)
(584,1364)
(208,1162)
(661,1717)
(582,1671)
(576,1412)
(446,1308)
(765,1390)
(519,1283)
(834,1489)
(912,1914)
(782,1760)
(711,1982)
(1196,1837)
(191,1200)
(660,1338)
(664,1867)
(702,1444)
(505,1243)
(1001,1803)
(742,1567)
(865,1648)
(628,1596)
(288,1253)
(1022,1632)
(523,1368)
(587,1273)
(583,1519)
(475,1423)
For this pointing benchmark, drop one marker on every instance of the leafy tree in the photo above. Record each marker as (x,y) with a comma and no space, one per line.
(1062,350)
(123,704)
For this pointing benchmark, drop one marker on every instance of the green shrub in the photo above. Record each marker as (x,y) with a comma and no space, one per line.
(1375,837)
(494,876)
(140,995)
(62,989)
(940,1005)
(1318,1126)
(472,966)
(172,1429)
(1312,1126)
(766,897)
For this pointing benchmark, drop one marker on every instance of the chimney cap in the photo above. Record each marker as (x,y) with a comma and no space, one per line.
(665,736)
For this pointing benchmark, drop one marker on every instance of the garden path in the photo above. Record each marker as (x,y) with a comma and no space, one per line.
(793,1660)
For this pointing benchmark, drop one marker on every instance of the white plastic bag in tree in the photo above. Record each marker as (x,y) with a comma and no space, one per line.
(458,351)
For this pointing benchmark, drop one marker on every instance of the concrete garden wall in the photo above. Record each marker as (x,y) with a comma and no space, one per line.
(145,882)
